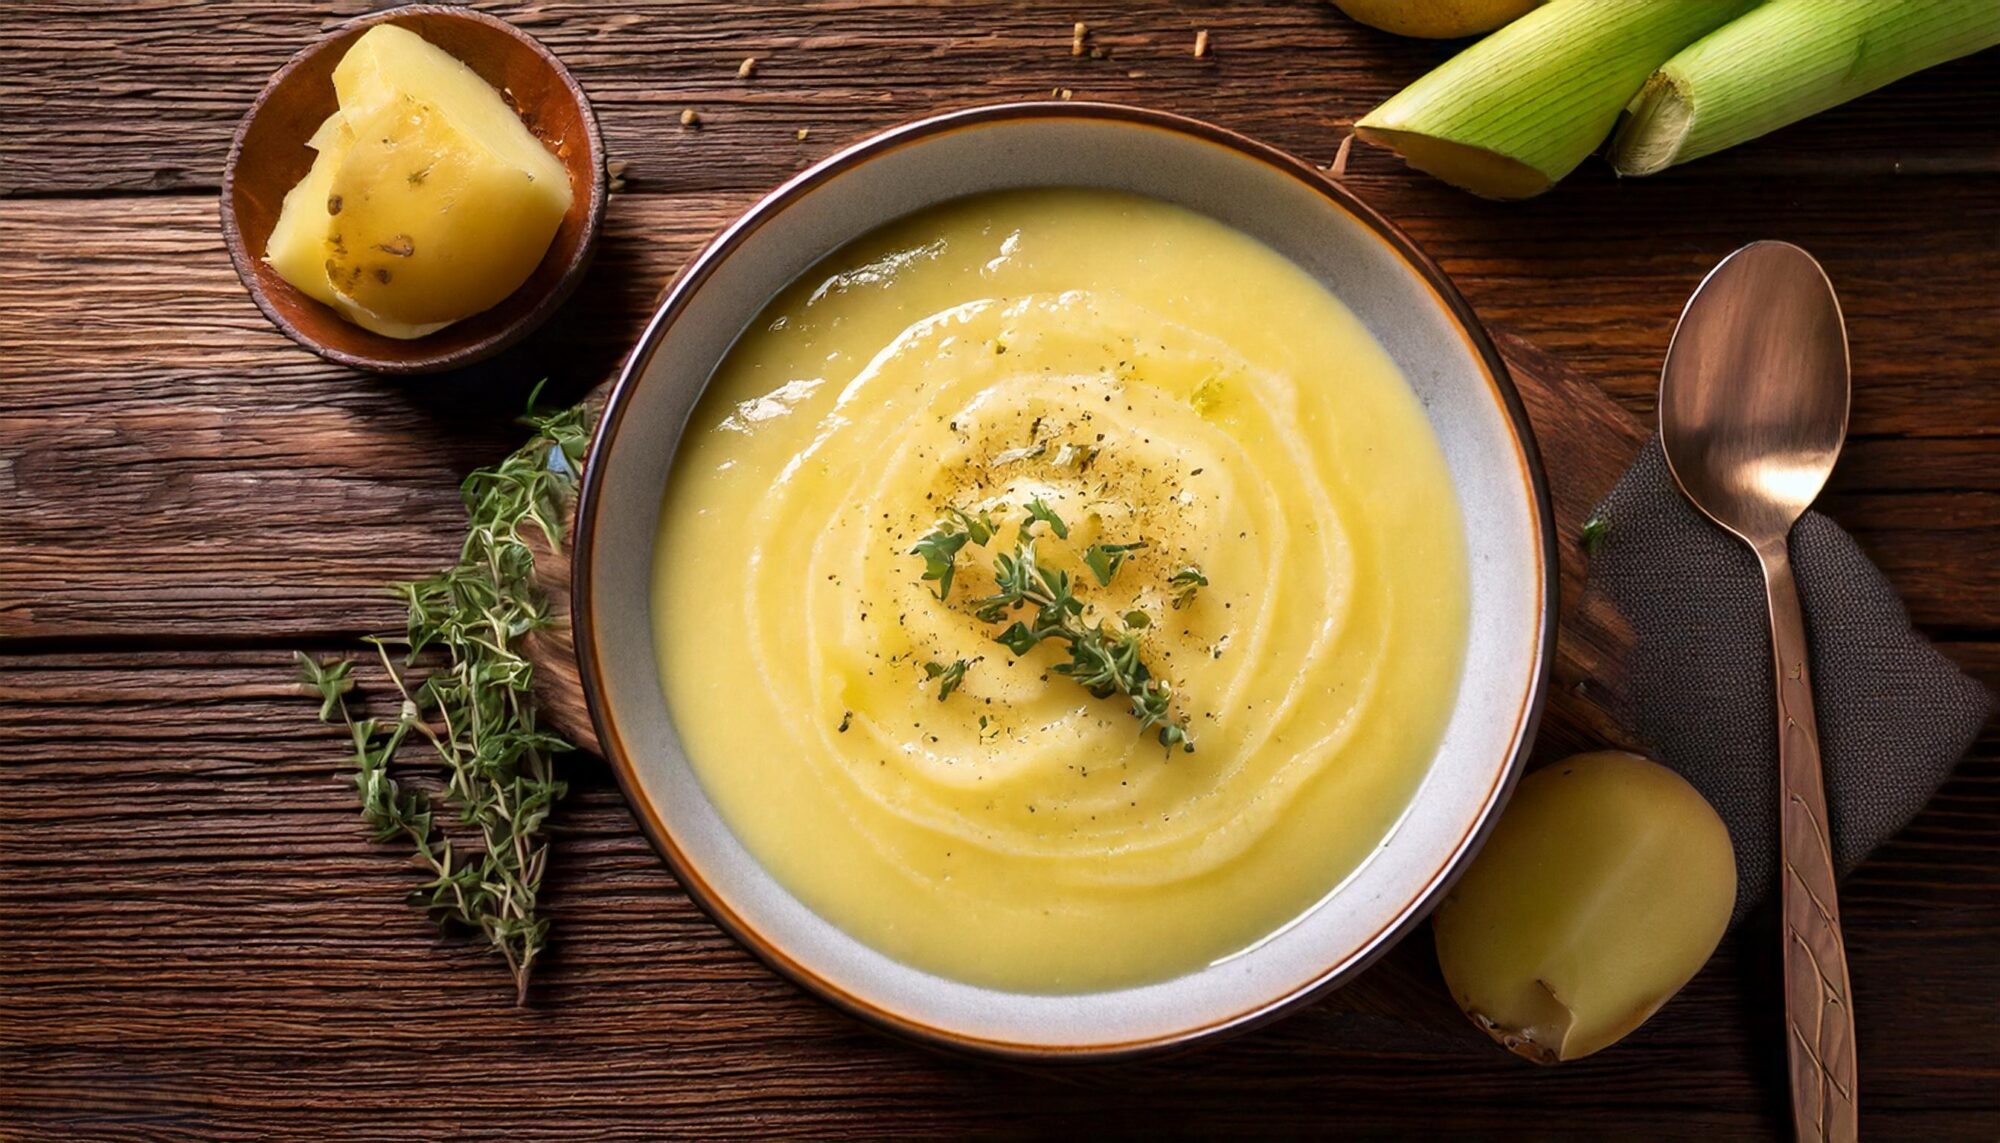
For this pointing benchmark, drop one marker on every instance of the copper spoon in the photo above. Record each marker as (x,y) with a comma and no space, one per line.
(1753,408)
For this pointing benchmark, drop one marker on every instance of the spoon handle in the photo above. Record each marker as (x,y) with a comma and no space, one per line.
(1819,1017)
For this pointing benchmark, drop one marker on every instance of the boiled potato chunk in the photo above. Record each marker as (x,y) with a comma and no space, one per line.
(428,224)
(390,65)
(297,247)
(1604,889)
(429,200)
(1436,19)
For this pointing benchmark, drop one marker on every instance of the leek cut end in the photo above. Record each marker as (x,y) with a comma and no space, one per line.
(1655,129)
(1485,173)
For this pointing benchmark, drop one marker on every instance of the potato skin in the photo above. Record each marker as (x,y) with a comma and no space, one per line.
(1605,887)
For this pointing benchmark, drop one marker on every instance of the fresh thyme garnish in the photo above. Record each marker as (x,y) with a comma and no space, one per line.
(476,709)
(1103,659)
(1185,583)
(948,677)
(1104,560)
(1591,537)
(1047,515)
(940,546)
(1020,582)
(981,527)
(1079,457)
(940,552)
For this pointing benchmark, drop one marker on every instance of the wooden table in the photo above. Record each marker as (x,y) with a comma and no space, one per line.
(196,938)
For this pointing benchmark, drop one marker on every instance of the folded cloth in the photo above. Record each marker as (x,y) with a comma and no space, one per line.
(1894,714)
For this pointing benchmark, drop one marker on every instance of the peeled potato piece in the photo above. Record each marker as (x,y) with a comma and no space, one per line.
(429,200)
(1604,889)
(389,65)
(297,247)
(428,225)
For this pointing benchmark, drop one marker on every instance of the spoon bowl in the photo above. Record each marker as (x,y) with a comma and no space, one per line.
(1753,401)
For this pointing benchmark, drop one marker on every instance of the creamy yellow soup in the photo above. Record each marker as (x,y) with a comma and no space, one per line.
(1152,376)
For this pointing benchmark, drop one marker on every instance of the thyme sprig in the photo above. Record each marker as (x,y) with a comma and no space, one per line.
(1185,583)
(1038,511)
(948,676)
(1103,659)
(940,552)
(476,710)
(940,547)
(1104,560)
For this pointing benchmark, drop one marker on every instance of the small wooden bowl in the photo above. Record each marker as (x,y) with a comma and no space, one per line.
(270,155)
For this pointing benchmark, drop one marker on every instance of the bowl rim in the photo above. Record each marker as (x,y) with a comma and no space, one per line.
(435,361)
(687,281)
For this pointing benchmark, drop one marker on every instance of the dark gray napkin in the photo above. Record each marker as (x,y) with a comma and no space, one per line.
(1894,714)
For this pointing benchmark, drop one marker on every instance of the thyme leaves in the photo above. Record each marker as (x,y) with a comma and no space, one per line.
(476,709)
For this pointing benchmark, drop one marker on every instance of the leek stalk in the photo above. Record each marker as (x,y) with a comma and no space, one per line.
(1784,61)
(1520,109)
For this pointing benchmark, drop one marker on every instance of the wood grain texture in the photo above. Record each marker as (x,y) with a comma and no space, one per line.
(1594,272)
(196,939)
(202,942)
(257,491)
(167,80)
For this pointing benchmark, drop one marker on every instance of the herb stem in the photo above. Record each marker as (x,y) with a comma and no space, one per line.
(500,772)
(1102,660)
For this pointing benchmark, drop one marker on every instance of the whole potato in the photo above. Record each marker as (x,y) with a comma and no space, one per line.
(1435,19)
(1604,889)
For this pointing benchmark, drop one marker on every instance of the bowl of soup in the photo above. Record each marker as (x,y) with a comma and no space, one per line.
(1064,581)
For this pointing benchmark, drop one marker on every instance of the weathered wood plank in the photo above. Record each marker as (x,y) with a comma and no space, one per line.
(152,424)
(200,940)
(177,467)
(144,96)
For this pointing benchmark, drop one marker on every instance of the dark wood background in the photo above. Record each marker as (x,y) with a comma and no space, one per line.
(195,936)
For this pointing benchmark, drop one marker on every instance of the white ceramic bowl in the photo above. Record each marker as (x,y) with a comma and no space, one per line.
(1403,299)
